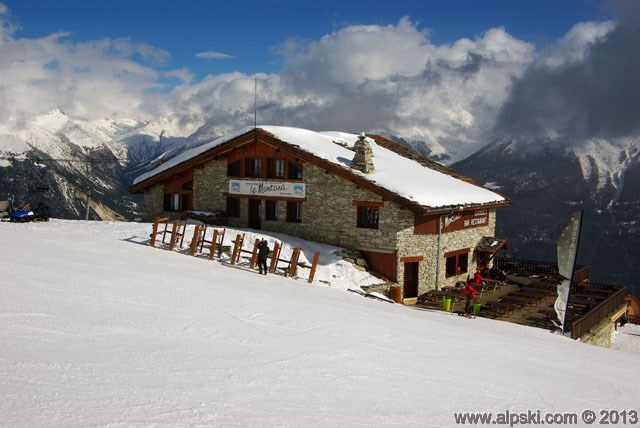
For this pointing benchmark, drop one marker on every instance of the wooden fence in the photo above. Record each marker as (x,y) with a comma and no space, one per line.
(199,240)
(602,310)
(292,264)
(176,233)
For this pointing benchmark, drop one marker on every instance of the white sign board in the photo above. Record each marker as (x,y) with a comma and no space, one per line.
(282,189)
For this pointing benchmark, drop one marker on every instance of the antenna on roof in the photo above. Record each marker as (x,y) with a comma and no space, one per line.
(255,102)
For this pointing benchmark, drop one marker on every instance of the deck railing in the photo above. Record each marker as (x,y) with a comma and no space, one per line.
(580,273)
(602,310)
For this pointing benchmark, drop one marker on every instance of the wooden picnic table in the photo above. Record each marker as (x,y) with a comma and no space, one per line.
(587,291)
(499,309)
(446,293)
(584,300)
(533,296)
(518,301)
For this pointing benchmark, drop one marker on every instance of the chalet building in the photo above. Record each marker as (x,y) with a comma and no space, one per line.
(416,222)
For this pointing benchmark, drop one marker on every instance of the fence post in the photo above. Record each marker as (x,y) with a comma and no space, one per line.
(221,242)
(201,241)
(194,241)
(156,223)
(274,257)
(214,241)
(316,257)
(237,249)
(293,263)
(164,232)
(174,237)
(254,254)
(183,226)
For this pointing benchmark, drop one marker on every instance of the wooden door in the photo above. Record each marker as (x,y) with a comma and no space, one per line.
(254,213)
(410,288)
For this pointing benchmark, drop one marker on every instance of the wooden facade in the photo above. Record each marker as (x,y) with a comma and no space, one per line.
(383,263)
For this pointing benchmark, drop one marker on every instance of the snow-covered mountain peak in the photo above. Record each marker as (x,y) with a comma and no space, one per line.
(52,121)
(607,159)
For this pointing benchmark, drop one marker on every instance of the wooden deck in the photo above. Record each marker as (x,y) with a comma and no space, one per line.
(529,291)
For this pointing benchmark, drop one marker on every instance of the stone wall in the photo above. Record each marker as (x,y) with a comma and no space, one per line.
(209,185)
(410,245)
(330,216)
(153,202)
(600,335)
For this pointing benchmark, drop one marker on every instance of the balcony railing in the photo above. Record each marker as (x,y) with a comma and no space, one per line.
(602,310)
(580,273)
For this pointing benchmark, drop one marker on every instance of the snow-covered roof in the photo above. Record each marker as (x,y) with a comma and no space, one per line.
(403,176)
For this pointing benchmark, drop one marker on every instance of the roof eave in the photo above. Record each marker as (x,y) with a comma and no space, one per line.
(188,163)
(461,207)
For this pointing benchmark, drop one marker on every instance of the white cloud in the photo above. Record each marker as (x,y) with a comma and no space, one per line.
(209,55)
(103,78)
(391,79)
(7,27)
(359,79)
(576,44)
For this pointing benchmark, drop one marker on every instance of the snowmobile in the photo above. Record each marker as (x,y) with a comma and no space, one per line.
(21,215)
(24,213)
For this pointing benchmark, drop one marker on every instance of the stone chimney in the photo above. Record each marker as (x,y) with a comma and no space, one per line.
(363,159)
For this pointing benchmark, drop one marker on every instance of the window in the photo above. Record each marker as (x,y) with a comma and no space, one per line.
(368,217)
(171,202)
(234,169)
(233,207)
(295,171)
(294,211)
(457,262)
(276,168)
(254,167)
(271,208)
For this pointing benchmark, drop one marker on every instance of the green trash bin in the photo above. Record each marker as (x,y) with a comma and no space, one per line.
(476,309)
(446,304)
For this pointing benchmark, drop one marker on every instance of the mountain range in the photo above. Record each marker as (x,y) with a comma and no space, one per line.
(63,162)
(548,180)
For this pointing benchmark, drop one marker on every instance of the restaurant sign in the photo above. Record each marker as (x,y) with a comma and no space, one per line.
(466,220)
(281,189)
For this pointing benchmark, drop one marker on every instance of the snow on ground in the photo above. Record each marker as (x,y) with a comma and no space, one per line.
(97,329)
(627,339)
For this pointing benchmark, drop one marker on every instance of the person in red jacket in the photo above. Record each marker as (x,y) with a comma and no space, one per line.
(477,277)
(470,292)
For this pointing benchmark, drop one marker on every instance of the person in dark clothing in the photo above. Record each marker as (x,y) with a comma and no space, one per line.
(263,253)
(470,292)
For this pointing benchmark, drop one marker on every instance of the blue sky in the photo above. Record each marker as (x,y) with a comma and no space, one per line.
(252,31)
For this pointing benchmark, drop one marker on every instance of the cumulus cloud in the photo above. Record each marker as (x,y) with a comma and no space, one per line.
(388,79)
(104,78)
(586,85)
(358,79)
(447,95)
(209,55)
